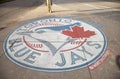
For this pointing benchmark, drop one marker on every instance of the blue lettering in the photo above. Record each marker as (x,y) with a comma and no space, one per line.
(31,57)
(85,51)
(13,43)
(15,40)
(96,45)
(67,20)
(52,20)
(19,53)
(63,60)
(75,57)
(43,21)
(18,45)
(11,49)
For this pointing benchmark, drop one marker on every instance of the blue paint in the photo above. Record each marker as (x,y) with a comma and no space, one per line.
(18,53)
(18,45)
(63,61)
(14,43)
(31,24)
(96,45)
(85,51)
(31,57)
(75,57)
(11,49)
(59,28)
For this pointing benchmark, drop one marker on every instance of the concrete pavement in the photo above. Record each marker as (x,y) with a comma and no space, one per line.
(103,13)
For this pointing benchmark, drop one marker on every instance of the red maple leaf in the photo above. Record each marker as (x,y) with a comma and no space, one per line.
(78,32)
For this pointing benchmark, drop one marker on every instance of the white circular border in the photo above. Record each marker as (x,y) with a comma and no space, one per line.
(60,69)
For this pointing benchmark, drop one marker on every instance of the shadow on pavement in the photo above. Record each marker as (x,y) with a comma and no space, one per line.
(31,3)
(75,1)
(22,3)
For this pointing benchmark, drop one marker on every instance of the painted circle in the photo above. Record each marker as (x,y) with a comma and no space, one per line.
(55,45)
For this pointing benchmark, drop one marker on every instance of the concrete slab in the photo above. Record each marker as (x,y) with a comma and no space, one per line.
(107,4)
(8,27)
(110,26)
(109,21)
(107,70)
(86,6)
(9,70)
(1,50)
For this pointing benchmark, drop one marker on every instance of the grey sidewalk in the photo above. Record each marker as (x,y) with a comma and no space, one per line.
(104,13)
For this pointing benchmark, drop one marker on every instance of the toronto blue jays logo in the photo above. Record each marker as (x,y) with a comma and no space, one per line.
(55,45)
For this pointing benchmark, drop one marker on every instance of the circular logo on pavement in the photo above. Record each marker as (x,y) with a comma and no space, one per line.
(55,45)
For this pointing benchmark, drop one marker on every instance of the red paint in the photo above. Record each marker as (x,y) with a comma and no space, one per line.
(78,32)
(100,61)
(74,47)
(32,46)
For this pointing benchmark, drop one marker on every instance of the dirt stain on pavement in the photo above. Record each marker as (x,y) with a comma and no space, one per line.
(2,28)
